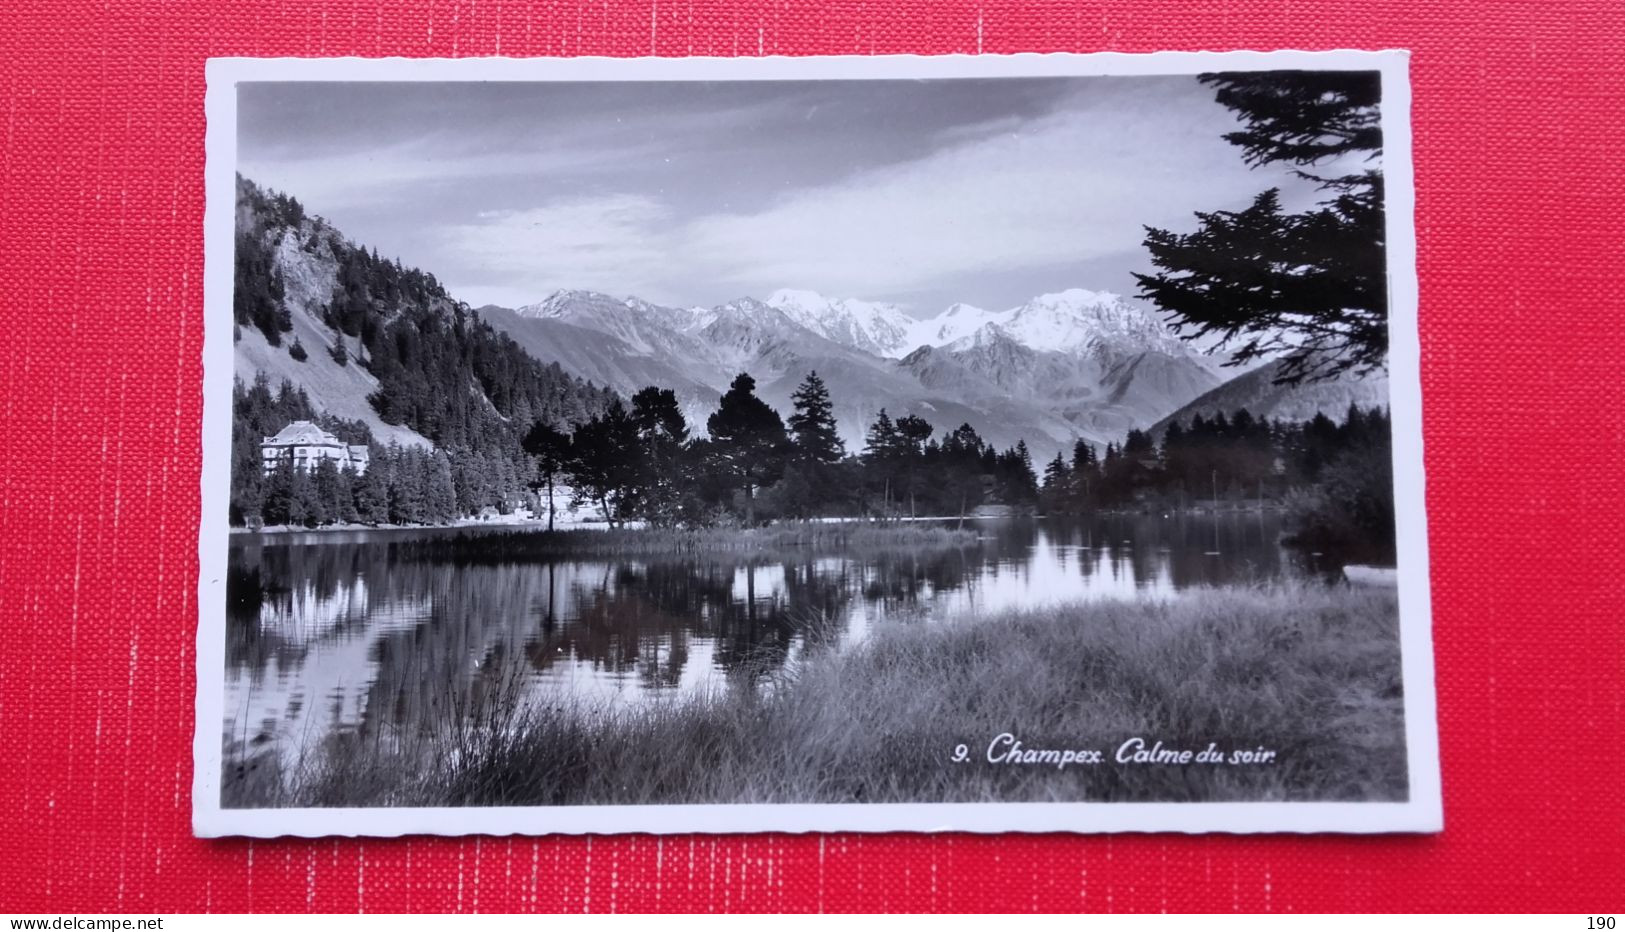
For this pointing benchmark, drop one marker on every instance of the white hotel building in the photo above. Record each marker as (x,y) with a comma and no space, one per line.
(306,444)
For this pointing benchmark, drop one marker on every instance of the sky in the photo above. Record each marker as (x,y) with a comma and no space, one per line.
(920,193)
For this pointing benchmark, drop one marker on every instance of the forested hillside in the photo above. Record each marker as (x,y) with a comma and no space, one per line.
(426,364)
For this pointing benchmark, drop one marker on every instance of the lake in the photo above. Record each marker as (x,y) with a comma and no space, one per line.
(344,631)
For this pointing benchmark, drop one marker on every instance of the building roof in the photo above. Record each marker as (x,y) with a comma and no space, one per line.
(302,432)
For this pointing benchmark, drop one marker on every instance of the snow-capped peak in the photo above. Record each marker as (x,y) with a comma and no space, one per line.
(882,329)
(559,303)
(798,298)
(1078,319)
(955,323)
(699,317)
(1075,321)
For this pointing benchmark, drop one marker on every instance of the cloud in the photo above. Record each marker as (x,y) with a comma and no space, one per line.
(402,172)
(609,243)
(914,193)
(363,145)
(1067,189)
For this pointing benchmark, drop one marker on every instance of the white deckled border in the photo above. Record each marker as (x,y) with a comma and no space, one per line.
(1421,813)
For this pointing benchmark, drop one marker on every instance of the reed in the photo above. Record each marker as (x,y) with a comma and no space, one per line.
(1309,672)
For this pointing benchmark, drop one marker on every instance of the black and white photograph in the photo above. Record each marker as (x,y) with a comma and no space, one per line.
(984,444)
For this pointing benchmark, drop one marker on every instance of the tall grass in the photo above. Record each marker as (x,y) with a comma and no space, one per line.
(1309,672)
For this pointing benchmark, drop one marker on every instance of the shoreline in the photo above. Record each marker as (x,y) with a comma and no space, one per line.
(597,524)
(539,525)
(881,722)
(506,542)
(510,539)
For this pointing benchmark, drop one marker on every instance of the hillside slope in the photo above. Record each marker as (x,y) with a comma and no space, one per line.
(1257,392)
(416,366)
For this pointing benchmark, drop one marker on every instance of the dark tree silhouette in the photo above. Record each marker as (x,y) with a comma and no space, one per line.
(882,442)
(813,481)
(371,490)
(441,501)
(1057,487)
(882,453)
(550,448)
(1311,286)
(812,425)
(658,414)
(912,433)
(961,470)
(662,433)
(605,461)
(1018,484)
(747,440)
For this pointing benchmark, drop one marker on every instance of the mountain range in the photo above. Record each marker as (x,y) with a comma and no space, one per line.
(1059,367)
(1062,366)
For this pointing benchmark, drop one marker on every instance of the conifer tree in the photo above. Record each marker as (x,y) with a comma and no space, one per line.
(1057,485)
(961,453)
(304,503)
(325,486)
(748,440)
(812,477)
(1056,473)
(883,441)
(277,504)
(604,461)
(1083,455)
(1311,285)
(550,449)
(662,475)
(371,489)
(1018,484)
(344,510)
(409,487)
(881,451)
(441,501)
(812,425)
(912,433)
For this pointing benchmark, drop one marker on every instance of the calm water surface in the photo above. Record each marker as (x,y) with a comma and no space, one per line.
(336,631)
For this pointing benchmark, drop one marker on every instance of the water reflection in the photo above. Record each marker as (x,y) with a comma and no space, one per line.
(329,633)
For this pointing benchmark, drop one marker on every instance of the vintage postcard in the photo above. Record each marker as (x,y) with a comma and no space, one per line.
(1025,443)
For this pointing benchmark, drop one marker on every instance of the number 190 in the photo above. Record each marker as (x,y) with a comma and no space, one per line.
(1601,923)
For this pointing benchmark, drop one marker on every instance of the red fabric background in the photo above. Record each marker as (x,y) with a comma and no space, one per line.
(1520,168)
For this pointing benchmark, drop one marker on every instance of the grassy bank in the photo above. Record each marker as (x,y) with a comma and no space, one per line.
(1311,673)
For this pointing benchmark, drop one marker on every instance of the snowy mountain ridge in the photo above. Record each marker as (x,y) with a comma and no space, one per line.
(881,329)
(1079,321)
(1075,321)
(1069,364)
